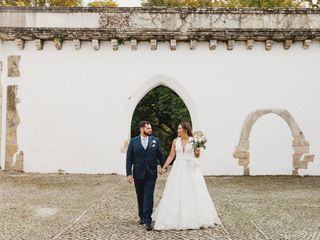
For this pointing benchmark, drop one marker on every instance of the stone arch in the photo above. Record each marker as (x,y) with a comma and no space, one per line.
(150,84)
(300,145)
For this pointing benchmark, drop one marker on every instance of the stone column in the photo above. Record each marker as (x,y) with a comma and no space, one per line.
(12,122)
(12,118)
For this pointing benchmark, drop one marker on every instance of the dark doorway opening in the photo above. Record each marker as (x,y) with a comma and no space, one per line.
(165,110)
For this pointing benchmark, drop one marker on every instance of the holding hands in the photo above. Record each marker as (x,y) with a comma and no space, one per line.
(162,171)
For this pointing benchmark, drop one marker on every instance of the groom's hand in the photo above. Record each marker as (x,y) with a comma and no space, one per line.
(162,171)
(130,179)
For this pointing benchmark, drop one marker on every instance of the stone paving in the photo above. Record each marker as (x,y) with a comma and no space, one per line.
(100,206)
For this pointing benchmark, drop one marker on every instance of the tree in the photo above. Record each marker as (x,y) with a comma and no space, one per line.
(257,3)
(177,3)
(65,3)
(103,3)
(165,110)
(223,3)
(54,3)
(36,3)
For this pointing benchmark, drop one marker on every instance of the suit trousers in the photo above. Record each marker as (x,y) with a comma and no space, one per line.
(144,190)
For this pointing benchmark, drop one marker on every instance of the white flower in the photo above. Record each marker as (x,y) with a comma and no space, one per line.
(153,141)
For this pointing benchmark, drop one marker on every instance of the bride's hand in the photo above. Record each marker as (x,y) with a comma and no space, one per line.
(162,171)
(197,150)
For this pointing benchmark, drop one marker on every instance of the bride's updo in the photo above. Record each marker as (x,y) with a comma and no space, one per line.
(187,127)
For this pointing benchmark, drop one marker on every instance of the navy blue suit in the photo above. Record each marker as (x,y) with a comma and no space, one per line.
(144,163)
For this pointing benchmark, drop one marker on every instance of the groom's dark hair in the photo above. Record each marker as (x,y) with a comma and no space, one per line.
(143,123)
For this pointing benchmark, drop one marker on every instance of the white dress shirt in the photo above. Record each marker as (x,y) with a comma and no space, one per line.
(144,141)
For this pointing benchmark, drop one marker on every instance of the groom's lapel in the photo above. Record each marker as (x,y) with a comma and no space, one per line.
(140,144)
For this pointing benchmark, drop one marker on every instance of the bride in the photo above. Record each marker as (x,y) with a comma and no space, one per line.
(185,202)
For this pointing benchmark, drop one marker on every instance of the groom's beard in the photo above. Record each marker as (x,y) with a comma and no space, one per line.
(146,133)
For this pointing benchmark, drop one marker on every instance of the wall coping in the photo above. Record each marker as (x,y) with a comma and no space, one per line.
(207,10)
(159,24)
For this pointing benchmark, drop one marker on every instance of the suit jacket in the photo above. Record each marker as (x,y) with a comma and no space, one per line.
(144,160)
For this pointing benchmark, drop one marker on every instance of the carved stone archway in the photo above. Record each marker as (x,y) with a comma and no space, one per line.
(300,145)
(147,86)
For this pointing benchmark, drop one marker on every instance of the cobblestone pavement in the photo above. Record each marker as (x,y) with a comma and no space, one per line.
(99,206)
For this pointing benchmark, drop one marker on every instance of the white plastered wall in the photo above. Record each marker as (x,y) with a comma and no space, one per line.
(76,105)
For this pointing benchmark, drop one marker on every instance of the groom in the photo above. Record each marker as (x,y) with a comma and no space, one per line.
(143,152)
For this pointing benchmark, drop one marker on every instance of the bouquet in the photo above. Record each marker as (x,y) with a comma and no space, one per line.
(199,141)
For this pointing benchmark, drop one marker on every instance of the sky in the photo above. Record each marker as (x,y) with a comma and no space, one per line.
(122,3)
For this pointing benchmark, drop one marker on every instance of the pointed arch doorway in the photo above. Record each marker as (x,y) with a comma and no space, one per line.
(164,108)
(148,85)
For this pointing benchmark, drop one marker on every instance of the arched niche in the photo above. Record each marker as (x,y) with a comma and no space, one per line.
(300,157)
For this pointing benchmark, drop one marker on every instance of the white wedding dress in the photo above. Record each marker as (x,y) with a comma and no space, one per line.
(185,202)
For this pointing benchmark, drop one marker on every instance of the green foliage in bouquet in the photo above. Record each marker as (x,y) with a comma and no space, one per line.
(199,141)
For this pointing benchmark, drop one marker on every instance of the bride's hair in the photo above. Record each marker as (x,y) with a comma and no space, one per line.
(187,127)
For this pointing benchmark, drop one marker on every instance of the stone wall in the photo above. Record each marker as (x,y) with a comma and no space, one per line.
(160,24)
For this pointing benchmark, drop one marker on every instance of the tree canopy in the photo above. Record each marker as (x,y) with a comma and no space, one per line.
(169,3)
(222,3)
(177,3)
(103,3)
(257,3)
(37,3)
(56,3)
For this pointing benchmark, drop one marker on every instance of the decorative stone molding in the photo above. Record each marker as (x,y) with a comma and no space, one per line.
(114,44)
(162,24)
(95,44)
(134,44)
(114,20)
(306,43)
(269,43)
(249,44)
(13,121)
(19,43)
(57,43)
(300,157)
(77,44)
(153,43)
(287,44)
(212,44)
(230,44)
(193,44)
(13,66)
(39,44)
(173,44)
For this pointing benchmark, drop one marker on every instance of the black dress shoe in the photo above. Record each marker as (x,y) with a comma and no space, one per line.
(141,221)
(148,227)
